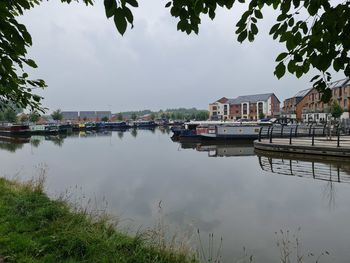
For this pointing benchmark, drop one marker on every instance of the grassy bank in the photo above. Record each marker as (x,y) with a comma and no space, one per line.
(34,228)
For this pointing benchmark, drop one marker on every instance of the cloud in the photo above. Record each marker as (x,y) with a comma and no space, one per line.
(88,66)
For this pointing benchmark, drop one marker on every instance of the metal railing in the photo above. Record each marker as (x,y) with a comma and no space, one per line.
(309,131)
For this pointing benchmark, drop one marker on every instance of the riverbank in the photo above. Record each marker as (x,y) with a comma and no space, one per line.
(34,228)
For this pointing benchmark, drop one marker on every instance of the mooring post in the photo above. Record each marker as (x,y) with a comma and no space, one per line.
(260,134)
(310,130)
(290,136)
(338,137)
(271,135)
(313,137)
(282,131)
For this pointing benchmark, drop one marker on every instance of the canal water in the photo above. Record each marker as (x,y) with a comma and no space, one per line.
(248,200)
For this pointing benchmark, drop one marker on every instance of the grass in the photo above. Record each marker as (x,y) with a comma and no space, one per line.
(34,228)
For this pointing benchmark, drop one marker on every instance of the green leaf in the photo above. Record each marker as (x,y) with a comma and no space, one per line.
(120,21)
(242,36)
(250,37)
(198,7)
(110,6)
(133,3)
(31,63)
(128,14)
(254,29)
(258,14)
(291,66)
(280,70)
(281,56)
(274,28)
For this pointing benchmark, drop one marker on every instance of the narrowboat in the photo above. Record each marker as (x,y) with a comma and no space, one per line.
(118,125)
(244,131)
(44,129)
(145,124)
(10,129)
(101,125)
(65,128)
(89,126)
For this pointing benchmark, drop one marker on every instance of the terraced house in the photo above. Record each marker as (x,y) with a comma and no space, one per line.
(250,107)
(306,105)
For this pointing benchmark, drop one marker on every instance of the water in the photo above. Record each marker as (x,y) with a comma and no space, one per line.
(222,189)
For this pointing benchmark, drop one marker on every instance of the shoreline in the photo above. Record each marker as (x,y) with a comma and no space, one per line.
(35,228)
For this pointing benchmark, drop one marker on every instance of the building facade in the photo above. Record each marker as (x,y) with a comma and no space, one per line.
(307,105)
(70,115)
(250,107)
(85,115)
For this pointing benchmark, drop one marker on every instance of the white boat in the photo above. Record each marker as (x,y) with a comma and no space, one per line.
(242,131)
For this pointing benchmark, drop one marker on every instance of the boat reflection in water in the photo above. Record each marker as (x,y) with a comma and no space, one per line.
(306,166)
(12,144)
(221,149)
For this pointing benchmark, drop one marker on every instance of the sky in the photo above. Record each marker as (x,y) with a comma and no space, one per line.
(89,66)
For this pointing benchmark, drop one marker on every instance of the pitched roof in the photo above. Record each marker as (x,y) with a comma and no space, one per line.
(250,98)
(302,93)
(339,83)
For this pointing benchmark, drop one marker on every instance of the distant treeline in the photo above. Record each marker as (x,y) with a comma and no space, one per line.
(170,114)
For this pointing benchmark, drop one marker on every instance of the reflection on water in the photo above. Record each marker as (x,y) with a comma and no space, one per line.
(319,168)
(220,149)
(12,144)
(232,197)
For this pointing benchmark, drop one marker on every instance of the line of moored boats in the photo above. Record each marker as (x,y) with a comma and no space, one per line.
(56,128)
(204,130)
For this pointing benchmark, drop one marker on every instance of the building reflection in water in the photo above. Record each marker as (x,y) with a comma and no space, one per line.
(306,166)
(221,149)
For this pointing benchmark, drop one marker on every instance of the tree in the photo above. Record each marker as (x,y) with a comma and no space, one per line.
(315,34)
(133,116)
(261,115)
(57,115)
(336,110)
(23,118)
(152,116)
(34,116)
(105,119)
(120,117)
(9,115)
(202,115)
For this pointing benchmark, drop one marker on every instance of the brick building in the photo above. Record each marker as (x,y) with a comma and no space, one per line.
(306,105)
(245,107)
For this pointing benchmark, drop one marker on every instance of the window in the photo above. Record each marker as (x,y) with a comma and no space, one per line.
(345,103)
(260,107)
(214,108)
(245,108)
(340,91)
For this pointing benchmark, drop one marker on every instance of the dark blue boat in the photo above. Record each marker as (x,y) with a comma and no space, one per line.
(117,125)
(145,124)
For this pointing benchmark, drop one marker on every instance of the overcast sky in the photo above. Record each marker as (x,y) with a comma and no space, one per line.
(89,66)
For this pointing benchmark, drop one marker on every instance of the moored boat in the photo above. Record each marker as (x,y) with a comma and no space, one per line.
(10,129)
(44,129)
(144,124)
(232,132)
(65,128)
(118,125)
